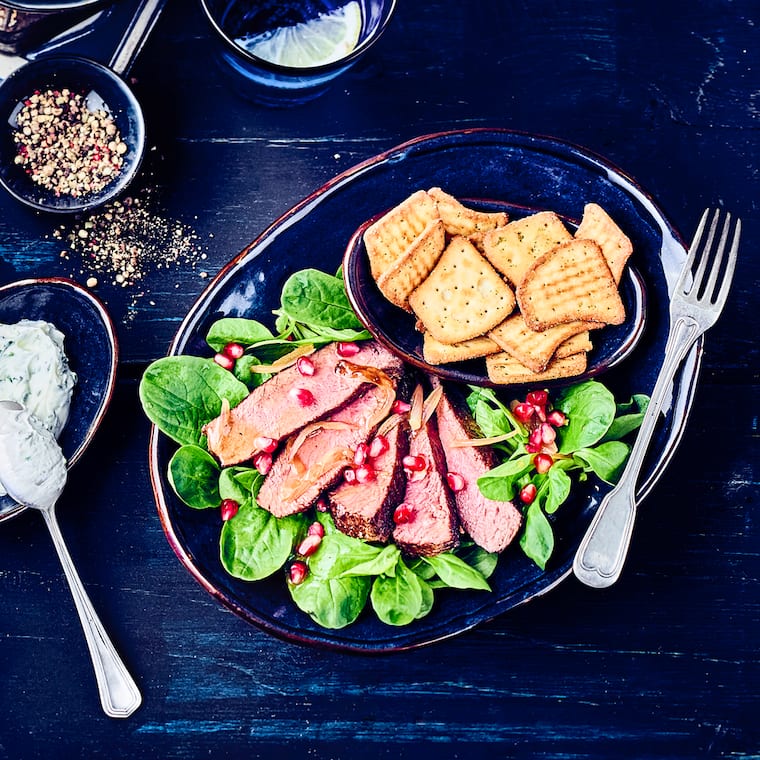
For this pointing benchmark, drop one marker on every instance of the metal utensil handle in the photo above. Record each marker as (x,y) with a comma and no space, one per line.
(602,552)
(119,694)
(137,32)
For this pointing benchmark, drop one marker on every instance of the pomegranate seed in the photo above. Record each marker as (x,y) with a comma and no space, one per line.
(523,412)
(537,398)
(349,476)
(302,395)
(535,440)
(361,453)
(414,463)
(528,493)
(557,418)
(321,504)
(224,361)
(305,366)
(263,462)
(402,514)
(548,433)
(297,572)
(348,349)
(364,474)
(542,463)
(229,509)
(456,481)
(262,443)
(316,529)
(400,407)
(309,545)
(378,447)
(233,350)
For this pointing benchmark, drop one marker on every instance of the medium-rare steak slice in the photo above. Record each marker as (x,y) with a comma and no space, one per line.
(274,410)
(365,510)
(432,526)
(490,524)
(315,458)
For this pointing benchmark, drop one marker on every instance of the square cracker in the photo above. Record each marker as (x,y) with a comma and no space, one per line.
(505,369)
(463,297)
(435,352)
(512,249)
(598,225)
(390,236)
(398,281)
(574,345)
(572,282)
(458,219)
(531,348)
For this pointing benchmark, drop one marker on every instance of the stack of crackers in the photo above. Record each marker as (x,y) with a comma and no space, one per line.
(524,294)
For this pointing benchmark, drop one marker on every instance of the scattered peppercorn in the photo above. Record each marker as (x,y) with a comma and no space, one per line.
(125,241)
(64,146)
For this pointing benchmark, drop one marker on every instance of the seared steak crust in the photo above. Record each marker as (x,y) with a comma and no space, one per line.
(366,510)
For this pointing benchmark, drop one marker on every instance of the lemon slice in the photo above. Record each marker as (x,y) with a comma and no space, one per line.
(323,39)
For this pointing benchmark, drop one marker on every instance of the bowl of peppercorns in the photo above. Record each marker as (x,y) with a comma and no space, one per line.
(72,134)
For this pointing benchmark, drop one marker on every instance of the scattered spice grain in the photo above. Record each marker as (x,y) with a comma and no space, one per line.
(127,239)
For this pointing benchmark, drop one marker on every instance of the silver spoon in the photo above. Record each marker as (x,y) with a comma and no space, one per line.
(33,471)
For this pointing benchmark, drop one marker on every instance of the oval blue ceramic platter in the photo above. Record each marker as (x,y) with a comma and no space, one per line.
(90,344)
(531,172)
(395,328)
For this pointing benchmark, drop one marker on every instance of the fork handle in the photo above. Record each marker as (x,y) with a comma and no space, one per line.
(602,552)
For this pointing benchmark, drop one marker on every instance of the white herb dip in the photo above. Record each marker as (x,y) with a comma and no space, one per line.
(32,466)
(34,372)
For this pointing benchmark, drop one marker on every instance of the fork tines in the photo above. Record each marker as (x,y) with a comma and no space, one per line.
(711,258)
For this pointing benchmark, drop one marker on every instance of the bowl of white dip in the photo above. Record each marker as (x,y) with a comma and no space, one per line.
(58,357)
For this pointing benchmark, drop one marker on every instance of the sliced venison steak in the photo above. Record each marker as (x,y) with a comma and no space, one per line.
(491,524)
(297,478)
(365,510)
(432,527)
(271,412)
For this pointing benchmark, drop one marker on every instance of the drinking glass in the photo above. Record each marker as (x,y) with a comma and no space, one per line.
(289,69)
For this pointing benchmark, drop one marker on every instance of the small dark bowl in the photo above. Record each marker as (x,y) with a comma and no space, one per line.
(78,75)
(271,84)
(395,328)
(91,347)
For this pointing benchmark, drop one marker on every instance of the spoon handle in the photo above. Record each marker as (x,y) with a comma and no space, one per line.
(119,694)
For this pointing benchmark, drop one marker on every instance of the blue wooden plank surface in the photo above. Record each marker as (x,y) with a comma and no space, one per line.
(663,665)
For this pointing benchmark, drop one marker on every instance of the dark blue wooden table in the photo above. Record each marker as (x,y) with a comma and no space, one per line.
(663,665)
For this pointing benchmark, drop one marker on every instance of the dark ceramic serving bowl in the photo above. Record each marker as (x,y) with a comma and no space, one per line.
(91,79)
(395,328)
(90,345)
(528,171)
(274,84)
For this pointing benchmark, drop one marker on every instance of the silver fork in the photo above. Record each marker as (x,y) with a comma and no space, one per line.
(697,301)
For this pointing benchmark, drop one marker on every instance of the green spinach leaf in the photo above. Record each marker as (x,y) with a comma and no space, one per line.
(606,460)
(318,299)
(456,573)
(193,474)
(180,394)
(401,598)
(590,408)
(254,543)
(537,538)
(247,332)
